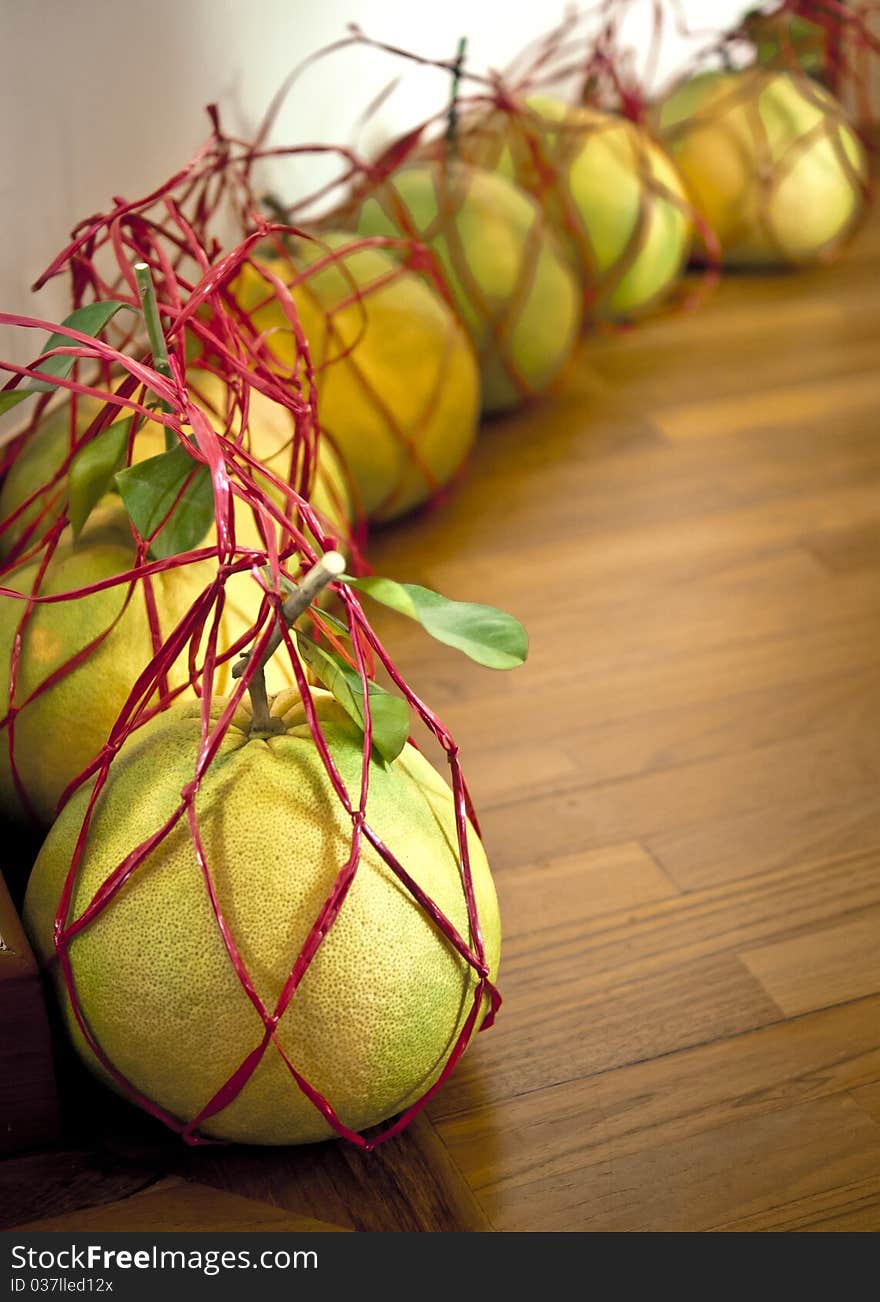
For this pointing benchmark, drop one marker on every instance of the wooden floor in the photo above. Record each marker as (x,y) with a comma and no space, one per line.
(679,795)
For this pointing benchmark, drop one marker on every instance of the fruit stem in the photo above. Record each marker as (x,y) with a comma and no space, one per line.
(327,568)
(261,719)
(150,308)
(452,114)
(158,346)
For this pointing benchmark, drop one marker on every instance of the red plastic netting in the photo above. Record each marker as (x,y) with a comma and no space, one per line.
(778,142)
(344,288)
(492,314)
(621,53)
(604,66)
(626,230)
(283,537)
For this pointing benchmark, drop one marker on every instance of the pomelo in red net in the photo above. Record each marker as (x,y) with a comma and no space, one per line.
(770,162)
(377,1013)
(609,190)
(397,382)
(511,282)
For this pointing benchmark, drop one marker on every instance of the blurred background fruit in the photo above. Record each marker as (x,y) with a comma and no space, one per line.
(609,190)
(769,160)
(510,279)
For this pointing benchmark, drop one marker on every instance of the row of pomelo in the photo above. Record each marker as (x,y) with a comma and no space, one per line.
(538,216)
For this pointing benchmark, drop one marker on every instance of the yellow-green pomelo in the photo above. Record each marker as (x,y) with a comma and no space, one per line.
(59,726)
(510,279)
(397,382)
(37,470)
(269,437)
(60,730)
(770,162)
(376,1015)
(609,190)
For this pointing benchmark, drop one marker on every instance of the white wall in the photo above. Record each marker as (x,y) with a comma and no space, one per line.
(106,97)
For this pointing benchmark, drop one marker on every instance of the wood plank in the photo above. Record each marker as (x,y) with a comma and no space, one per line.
(567,1033)
(605,494)
(40,1185)
(721,603)
(829,965)
(778,836)
(848,1207)
(650,695)
(409,1184)
(590,956)
(824,399)
(28,1100)
(718,1178)
(587,995)
(621,522)
(838,766)
(862,1217)
(856,547)
(496,772)
(771,348)
(612,748)
(601,881)
(868,1097)
(554,1138)
(180,1206)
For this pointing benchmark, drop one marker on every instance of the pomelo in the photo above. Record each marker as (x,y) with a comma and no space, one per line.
(378,1011)
(510,280)
(56,733)
(770,161)
(269,438)
(609,190)
(397,382)
(35,470)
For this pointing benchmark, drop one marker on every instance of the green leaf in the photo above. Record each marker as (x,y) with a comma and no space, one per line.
(89,320)
(12,398)
(149,491)
(489,636)
(92,470)
(336,624)
(389,713)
